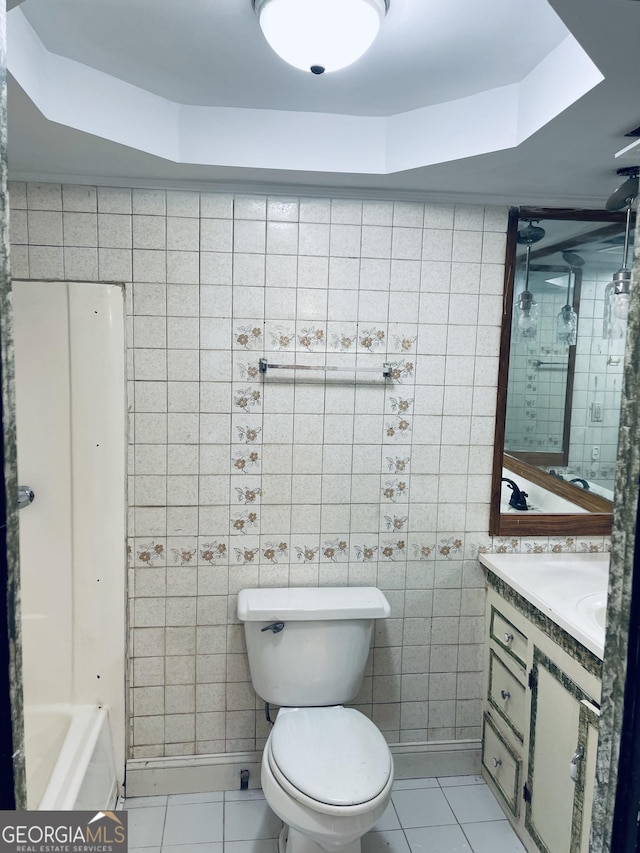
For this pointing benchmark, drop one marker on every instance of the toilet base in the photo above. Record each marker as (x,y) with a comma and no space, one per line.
(292,841)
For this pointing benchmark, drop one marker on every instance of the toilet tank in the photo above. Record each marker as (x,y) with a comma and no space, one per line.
(309,646)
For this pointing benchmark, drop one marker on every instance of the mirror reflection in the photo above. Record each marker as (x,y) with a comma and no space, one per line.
(561,369)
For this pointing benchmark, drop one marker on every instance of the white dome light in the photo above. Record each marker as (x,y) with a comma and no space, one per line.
(320,35)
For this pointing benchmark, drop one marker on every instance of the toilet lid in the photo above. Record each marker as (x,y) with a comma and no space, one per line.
(333,755)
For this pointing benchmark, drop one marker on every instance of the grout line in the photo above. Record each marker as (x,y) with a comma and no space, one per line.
(164,824)
(402,828)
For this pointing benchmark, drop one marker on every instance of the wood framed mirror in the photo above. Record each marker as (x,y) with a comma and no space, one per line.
(558,402)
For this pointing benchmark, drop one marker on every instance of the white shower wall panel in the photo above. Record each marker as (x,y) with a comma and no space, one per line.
(43,403)
(70,399)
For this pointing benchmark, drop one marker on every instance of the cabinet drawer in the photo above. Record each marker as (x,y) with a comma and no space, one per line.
(502,763)
(507,695)
(508,637)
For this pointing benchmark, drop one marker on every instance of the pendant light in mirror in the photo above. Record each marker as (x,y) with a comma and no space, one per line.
(567,320)
(526,312)
(617,293)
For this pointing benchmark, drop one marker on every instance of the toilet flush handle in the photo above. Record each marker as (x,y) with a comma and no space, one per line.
(276,627)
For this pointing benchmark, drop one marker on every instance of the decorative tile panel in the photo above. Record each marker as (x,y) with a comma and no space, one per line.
(296,478)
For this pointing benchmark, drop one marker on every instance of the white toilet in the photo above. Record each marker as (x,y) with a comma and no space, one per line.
(327,771)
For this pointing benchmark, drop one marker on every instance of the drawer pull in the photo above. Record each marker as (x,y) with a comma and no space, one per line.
(505,694)
(508,638)
(497,762)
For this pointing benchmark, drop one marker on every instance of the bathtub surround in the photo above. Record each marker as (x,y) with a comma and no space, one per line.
(73,589)
(295,478)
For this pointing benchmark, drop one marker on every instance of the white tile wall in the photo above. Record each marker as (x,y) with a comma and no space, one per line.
(295,478)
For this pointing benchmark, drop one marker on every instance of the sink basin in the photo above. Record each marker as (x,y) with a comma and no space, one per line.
(593,608)
(600,616)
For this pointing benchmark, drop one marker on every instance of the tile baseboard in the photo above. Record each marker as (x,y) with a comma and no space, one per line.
(221,772)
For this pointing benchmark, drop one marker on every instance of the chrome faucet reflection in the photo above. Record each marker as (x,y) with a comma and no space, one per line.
(518,499)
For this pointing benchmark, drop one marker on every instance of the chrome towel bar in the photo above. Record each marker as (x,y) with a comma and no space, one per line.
(264,365)
(562,364)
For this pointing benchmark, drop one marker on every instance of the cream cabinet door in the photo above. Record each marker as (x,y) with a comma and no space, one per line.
(589,720)
(562,746)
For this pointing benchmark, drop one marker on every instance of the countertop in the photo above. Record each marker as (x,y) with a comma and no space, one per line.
(570,589)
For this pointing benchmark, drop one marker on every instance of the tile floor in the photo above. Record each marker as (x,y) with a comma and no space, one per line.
(453,814)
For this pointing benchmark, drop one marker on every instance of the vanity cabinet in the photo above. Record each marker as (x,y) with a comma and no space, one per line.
(540,724)
(563,739)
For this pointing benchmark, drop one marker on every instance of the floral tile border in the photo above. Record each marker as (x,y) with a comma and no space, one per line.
(246,546)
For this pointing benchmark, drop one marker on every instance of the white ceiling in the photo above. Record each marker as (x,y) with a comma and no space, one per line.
(455,100)
(212,53)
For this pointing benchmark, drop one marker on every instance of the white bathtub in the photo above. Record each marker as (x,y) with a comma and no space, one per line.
(69,758)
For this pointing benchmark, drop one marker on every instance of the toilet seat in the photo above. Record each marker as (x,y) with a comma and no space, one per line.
(350,759)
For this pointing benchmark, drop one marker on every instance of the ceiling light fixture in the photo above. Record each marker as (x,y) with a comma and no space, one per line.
(526,307)
(617,294)
(320,35)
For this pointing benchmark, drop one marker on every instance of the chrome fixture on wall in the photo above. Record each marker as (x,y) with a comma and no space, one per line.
(617,293)
(26,496)
(320,35)
(526,307)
